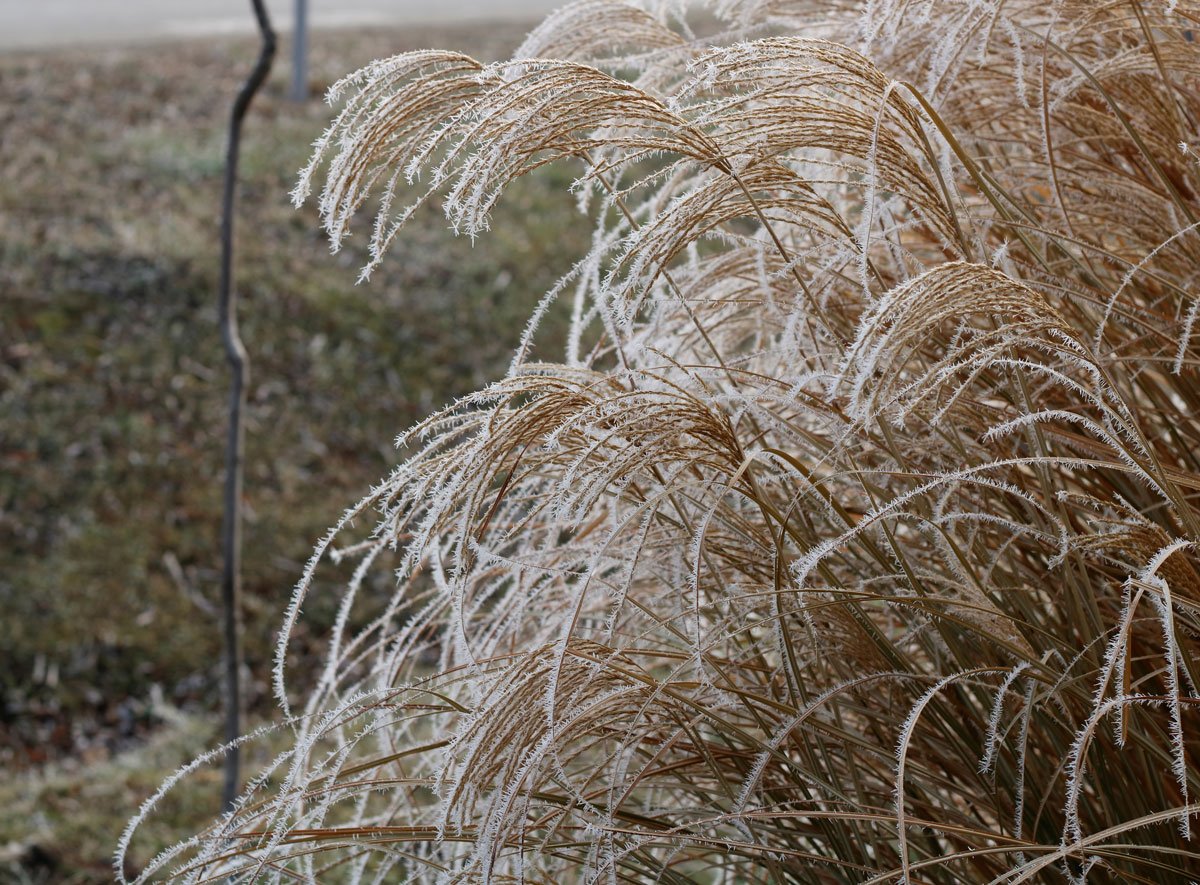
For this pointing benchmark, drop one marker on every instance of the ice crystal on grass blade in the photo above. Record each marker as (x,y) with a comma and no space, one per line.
(854,538)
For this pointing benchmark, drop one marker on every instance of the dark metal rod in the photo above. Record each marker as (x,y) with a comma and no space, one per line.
(235,351)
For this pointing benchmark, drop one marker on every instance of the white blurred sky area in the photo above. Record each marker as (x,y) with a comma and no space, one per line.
(27,24)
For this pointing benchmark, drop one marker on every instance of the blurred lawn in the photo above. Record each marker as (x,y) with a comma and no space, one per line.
(113,394)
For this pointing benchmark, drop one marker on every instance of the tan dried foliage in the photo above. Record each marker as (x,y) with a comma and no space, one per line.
(853,538)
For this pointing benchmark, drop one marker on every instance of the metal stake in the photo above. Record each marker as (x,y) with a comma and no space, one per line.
(300,52)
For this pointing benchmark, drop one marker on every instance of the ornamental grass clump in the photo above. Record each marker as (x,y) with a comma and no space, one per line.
(852,536)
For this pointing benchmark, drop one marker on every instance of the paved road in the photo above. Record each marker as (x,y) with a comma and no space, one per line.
(38,23)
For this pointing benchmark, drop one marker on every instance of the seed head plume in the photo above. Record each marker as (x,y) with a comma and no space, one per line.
(854,537)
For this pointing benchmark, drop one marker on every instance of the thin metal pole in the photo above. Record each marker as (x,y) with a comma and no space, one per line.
(231,529)
(300,52)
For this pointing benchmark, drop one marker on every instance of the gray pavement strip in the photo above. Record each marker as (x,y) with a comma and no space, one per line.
(50,23)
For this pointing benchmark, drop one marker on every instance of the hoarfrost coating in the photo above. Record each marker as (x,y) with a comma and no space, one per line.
(855,535)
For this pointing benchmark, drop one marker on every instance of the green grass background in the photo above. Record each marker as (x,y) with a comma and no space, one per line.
(113,397)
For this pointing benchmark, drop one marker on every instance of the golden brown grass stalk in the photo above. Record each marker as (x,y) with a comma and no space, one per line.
(854,536)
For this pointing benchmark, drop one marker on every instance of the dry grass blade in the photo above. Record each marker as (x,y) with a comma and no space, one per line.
(855,537)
